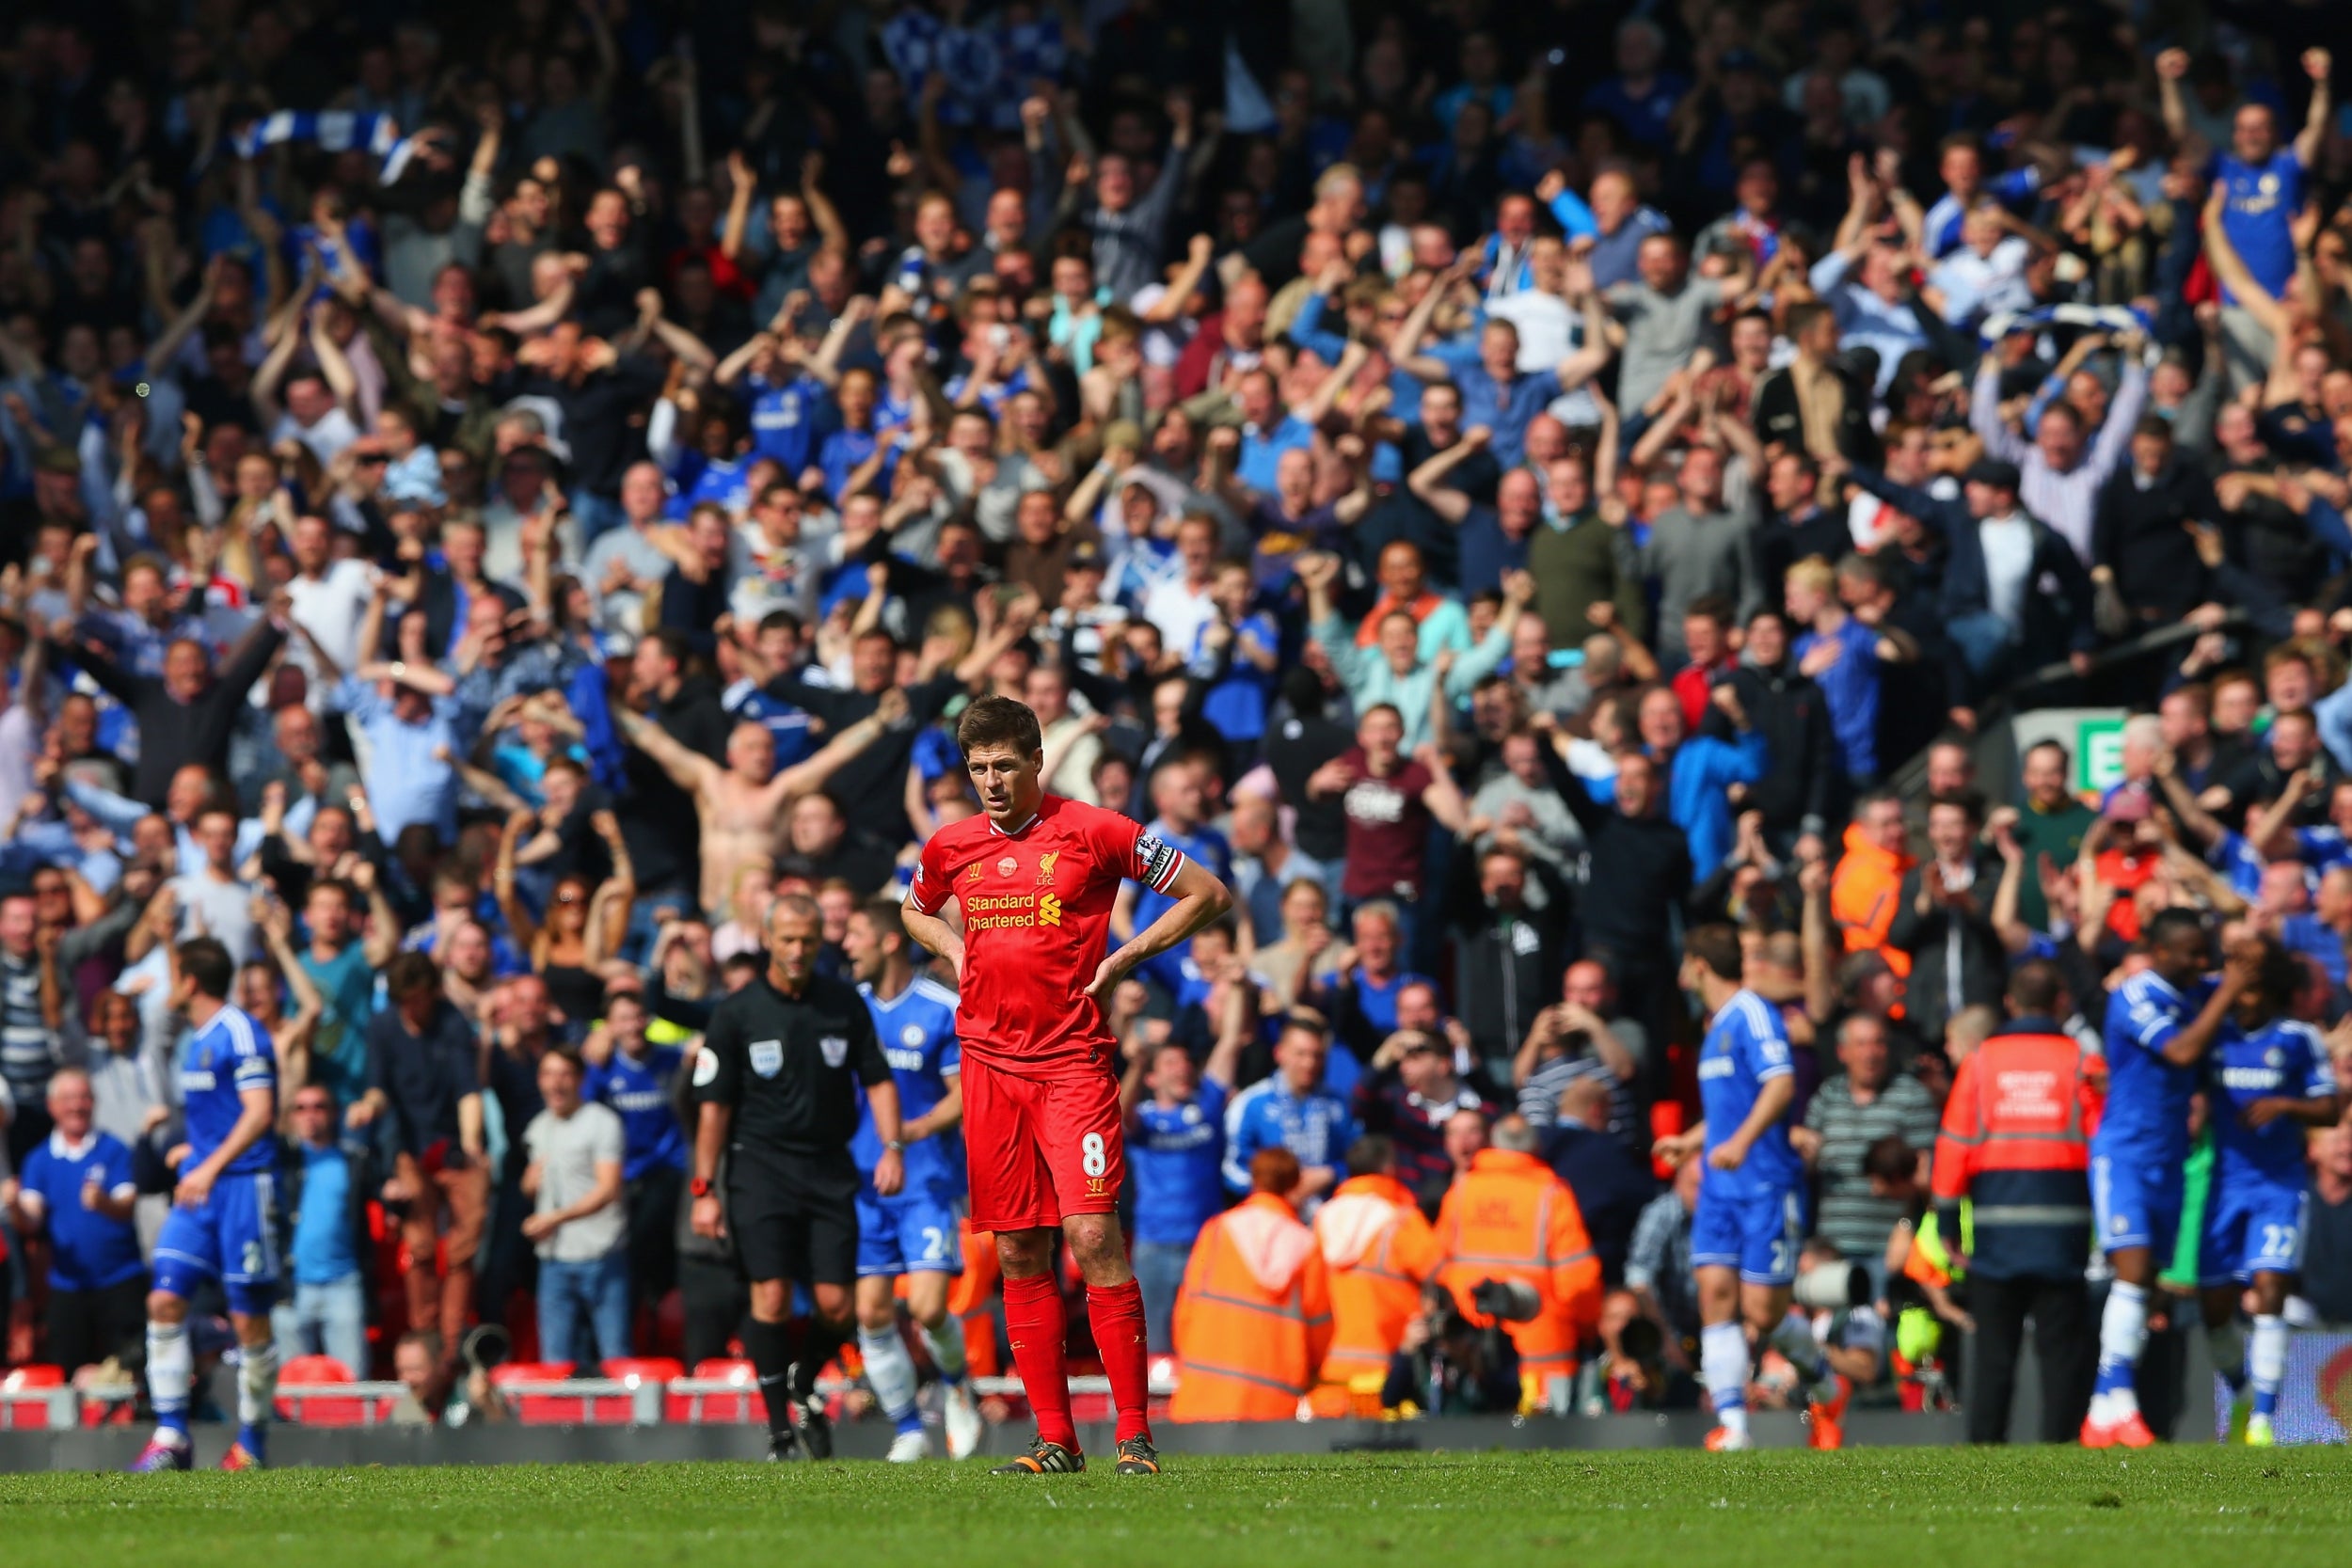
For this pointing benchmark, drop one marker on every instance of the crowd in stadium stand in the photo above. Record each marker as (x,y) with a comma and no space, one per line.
(492,497)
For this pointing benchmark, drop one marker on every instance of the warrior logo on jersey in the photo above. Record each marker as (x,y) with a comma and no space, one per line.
(973,875)
(1045,867)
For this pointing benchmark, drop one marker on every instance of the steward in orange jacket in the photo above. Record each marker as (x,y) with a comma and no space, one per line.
(1509,1217)
(1253,1318)
(1377,1249)
(1865,890)
(2015,1143)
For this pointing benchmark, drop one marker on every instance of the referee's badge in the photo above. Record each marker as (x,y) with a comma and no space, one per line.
(768,1057)
(705,1068)
(837,1049)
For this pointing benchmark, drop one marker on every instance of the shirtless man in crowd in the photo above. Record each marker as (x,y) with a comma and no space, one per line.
(743,806)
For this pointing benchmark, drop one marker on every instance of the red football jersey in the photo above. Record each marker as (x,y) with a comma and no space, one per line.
(1037,915)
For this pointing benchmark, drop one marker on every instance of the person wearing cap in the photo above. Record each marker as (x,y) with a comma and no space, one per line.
(1083,621)
(1993,609)
(2137,540)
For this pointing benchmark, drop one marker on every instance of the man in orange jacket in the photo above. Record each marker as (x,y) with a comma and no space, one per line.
(2015,1146)
(1865,890)
(1253,1318)
(1378,1249)
(1509,1217)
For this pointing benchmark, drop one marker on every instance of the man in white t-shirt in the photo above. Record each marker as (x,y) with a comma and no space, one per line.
(1550,327)
(311,416)
(329,598)
(1179,604)
(578,1222)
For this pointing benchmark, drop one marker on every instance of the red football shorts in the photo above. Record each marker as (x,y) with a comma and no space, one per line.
(1041,1149)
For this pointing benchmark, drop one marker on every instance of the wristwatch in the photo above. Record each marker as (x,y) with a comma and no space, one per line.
(700,1186)
(895,1147)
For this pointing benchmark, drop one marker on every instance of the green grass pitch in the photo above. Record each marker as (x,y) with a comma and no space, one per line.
(1883,1508)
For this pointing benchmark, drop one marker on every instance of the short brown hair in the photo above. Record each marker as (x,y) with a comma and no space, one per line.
(999,721)
(411,975)
(1274,1170)
(1717,946)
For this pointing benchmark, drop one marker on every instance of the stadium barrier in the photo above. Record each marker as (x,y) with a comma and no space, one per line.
(46,1424)
(45,1403)
(112,1448)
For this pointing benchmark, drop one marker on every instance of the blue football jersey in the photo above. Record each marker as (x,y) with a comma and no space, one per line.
(917,1030)
(2147,1111)
(788,420)
(230,1055)
(1746,1047)
(639,1092)
(2280,1059)
(1172,1165)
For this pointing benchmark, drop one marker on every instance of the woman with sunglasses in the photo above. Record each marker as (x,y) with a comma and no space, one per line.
(586,923)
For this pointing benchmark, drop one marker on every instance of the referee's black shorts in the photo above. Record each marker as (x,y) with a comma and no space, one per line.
(794,1215)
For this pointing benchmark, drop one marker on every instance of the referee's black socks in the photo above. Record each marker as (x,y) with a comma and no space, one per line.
(770,1346)
(821,1342)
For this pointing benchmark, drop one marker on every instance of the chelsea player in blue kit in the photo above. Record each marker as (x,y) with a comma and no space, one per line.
(2160,1023)
(223,1224)
(1748,1223)
(2268,1079)
(918,1230)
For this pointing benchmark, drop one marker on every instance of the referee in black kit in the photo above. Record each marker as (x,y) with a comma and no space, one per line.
(776,1082)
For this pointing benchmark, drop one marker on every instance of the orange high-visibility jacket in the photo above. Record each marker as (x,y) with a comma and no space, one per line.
(1378,1250)
(1864,891)
(1509,1217)
(2015,1142)
(1253,1319)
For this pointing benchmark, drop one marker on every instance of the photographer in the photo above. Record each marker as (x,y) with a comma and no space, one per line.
(1445,1365)
(1509,1219)
(1835,1297)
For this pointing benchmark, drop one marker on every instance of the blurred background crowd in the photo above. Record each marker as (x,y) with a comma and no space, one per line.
(491,496)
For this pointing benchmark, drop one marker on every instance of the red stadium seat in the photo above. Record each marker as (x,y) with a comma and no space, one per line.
(314,1368)
(530,1371)
(642,1369)
(309,1371)
(24,1396)
(547,1407)
(541,1408)
(741,1403)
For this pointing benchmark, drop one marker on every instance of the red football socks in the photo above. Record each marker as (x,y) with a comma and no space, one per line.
(1116,1312)
(1039,1326)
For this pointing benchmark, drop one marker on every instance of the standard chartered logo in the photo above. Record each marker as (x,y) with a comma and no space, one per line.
(984,914)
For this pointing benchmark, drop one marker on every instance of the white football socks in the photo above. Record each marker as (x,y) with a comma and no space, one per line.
(891,1371)
(1724,1366)
(946,1344)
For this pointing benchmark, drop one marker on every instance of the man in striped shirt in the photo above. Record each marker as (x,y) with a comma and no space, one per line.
(1863,1103)
(29,1047)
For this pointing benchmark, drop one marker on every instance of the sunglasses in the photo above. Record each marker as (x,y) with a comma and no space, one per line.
(321,1107)
(567,897)
(373,457)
